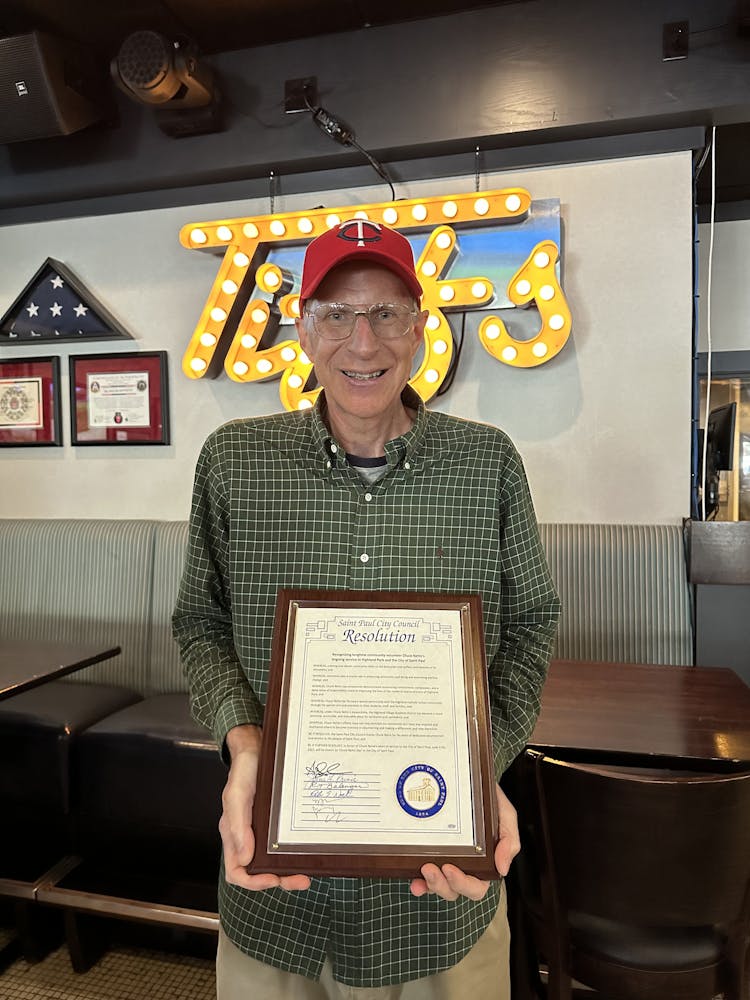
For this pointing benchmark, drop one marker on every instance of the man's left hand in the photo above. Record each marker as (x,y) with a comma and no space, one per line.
(450,882)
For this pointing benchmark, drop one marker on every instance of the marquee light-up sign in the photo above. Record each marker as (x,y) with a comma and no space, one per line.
(253,299)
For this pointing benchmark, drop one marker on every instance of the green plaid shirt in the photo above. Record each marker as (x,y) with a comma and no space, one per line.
(276,504)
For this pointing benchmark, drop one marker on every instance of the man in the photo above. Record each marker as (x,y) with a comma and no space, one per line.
(367,491)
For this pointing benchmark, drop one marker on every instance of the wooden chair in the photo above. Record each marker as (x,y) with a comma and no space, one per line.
(644,881)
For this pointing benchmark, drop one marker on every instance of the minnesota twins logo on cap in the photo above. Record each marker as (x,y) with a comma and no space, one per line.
(359,240)
(360,231)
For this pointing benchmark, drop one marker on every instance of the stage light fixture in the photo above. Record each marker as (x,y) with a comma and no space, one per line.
(167,75)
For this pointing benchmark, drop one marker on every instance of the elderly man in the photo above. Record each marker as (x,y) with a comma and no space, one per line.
(366,491)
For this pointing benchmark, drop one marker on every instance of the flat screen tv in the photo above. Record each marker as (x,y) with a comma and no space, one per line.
(719,443)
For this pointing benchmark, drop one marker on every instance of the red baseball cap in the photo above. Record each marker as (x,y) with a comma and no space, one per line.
(358,239)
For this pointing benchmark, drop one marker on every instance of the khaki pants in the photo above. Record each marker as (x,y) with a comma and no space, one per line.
(483,974)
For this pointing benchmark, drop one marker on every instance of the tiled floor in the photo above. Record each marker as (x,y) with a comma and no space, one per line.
(123,973)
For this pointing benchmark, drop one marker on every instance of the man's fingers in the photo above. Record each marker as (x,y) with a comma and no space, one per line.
(448,882)
(256,883)
(510,840)
(465,885)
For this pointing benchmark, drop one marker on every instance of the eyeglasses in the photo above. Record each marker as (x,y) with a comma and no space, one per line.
(336,320)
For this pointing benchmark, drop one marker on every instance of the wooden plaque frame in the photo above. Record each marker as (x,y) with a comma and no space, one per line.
(397,859)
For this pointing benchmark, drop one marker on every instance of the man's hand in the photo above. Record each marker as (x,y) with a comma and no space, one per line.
(235,825)
(450,882)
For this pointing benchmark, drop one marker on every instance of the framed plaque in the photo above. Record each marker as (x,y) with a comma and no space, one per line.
(119,398)
(377,751)
(30,402)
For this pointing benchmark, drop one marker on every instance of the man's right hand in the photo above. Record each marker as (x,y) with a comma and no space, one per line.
(235,825)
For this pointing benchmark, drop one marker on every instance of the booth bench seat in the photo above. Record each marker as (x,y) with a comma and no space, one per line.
(109,763)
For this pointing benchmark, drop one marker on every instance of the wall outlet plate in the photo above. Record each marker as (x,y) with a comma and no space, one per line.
(675,40)
(299,94)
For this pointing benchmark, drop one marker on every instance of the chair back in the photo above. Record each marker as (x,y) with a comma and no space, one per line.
(665,850)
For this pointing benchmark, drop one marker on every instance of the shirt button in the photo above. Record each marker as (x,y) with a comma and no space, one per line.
(334,449)
(407,465)
(328,465)
(364,557)
(368,497)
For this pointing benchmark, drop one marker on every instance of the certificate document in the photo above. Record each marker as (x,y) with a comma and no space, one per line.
(21,402)
(377,745)
(118,399)
(381,739)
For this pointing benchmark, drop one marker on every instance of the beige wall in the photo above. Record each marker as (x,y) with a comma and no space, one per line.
(730,287)
(604,428)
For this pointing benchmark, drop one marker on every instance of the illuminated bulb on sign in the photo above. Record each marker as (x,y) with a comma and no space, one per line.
(332,220)
(258,315)
(305,226)
(419,212)
(541,259)
(443,240)
(288,354)
(546,292)
(304,404)
(277,227)
(390,216)
(198,236)
(264,365)
(447,294)
(556,322)
(241,259)
(481,206)
(198,364)
(294,307)
(512,202)
(218,315)
(208,339)
(294,381)
(479,289)
(224,233)
(539,350)
(523,287)
(429,268)
(431,375)
(271,280)
(509,353)
(492,332)
(240,368)
(248,340)
(361,215)
(250,230)
(440,347)
(450,209)
(433,322)
(304,358)
(229,287)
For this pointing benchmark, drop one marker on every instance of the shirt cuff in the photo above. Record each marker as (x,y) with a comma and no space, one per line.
(235,711)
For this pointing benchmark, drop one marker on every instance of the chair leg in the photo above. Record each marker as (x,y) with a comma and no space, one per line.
(525,982)
(38,928)
(86,938)
(737,971)
(559,983)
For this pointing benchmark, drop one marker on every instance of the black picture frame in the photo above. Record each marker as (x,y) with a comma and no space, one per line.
(30,392)
(133,405)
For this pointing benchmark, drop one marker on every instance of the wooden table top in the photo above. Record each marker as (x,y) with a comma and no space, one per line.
(700,713)
(26,663)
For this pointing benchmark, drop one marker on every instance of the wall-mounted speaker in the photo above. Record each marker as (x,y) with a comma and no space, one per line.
(48,87)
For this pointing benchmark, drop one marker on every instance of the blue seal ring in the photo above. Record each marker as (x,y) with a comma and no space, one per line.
(406,806)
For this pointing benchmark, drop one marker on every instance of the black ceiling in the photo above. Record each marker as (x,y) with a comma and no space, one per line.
(215,25)
(225,25)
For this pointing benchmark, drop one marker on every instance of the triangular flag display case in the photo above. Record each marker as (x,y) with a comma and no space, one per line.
(56,306)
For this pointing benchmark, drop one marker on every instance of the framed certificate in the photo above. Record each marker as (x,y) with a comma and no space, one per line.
(30,402)
(119,398)
(377,750)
